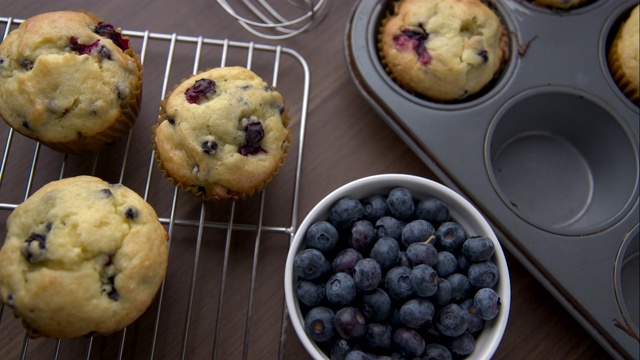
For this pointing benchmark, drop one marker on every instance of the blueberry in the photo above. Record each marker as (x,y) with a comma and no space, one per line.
(389,226)
(460,287)
(104,53)
(422,253)
(398,282)
(375,305)
(478,248)
(363,236)
(106,193)
(131,213)
(476,323)
(358,355)
(409,342)
(463,345)
(436,351)
(310,264)
(253,135)
(443,295)
(484,55)
(415,39)
(400,202)
(346,261)
(378,337)
(345,212)
(416,231)
(403,259)
(375,207)
(463,264)
(34,249)
(386,251)
(433,210)
(108,287)
(452,320)
(450,236)
(367,274)
(108,31)
(416,313)
(424,280)
(323,236)
(200,90)
(26,64)
(309,293)
(350,323)
(209,147)
(319,323)
(447,263)
(483,274)
(487,303)
(340,349)
(82,49)
(340,289)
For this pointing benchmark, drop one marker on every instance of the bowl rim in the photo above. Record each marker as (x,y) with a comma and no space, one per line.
(382,183)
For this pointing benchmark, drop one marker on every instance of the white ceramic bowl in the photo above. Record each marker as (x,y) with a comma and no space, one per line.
(460,210)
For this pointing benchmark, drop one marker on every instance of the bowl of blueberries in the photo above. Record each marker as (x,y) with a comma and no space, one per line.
(397,266)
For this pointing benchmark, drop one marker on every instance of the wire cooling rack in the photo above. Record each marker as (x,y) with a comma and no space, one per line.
(226,261)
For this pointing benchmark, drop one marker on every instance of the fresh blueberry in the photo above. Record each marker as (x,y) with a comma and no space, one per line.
(375,207)
(447,263)
(443,295)
(350,323)
(378,337)
(309,293)
(363,236)
(435,351)
(409,342)
(375,305)
(34,249)
(433,210)
(417,313)
(452,320)
(422,253)
(340,289)
(358,355)
(346,261)
(487,303)
(483,274)
(424,280)
(462,345)
(200,90)
(367,274)
(398,283)
(389,226)
(386,251)
(322,235)
(400,202)
(416,231)
(340,349)
(253,135)
(463,264)
(478,248)
(476,323)
(319,324)
(310,264)
(460,286)
(345,212)
(450,236)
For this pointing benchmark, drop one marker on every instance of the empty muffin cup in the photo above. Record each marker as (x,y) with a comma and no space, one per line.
(562,161)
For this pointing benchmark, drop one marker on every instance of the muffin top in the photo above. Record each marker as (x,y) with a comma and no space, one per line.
(66,75)
(627,50)
(443,49)
(82,256)
(222,133)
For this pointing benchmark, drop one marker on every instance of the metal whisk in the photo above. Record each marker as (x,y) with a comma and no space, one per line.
(265,20)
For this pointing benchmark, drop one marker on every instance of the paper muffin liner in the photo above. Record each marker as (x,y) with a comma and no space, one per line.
(504,43)
(214,192)
(621,78)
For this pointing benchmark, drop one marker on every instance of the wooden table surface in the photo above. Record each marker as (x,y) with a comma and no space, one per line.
(344,140)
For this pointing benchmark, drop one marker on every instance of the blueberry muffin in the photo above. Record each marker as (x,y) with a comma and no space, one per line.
(444,50)
(623,57)
(222,134)
(70,81)
(81,256)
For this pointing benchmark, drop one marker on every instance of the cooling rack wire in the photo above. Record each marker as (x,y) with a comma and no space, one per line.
(126,164)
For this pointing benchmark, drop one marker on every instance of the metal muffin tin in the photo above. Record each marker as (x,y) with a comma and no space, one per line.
(549,153)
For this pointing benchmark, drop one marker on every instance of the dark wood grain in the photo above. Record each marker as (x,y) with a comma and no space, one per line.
(345,140)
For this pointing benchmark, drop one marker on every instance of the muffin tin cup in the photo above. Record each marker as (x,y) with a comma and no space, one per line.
(549,152)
